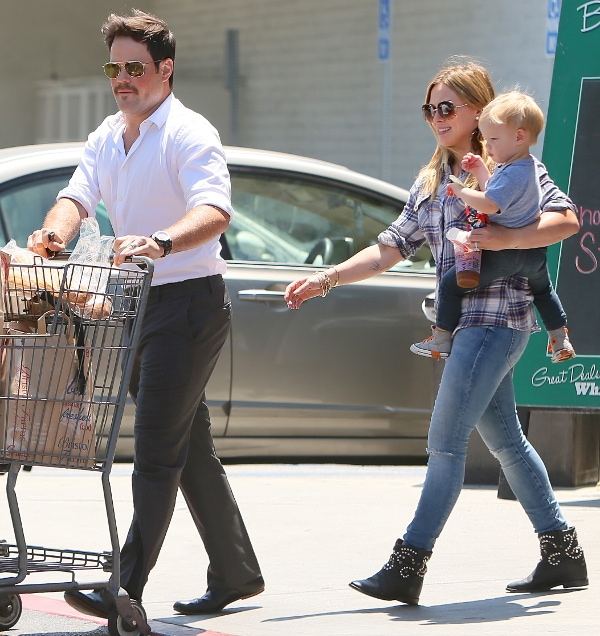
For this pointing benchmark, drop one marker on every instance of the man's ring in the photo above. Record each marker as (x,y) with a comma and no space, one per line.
(476,244)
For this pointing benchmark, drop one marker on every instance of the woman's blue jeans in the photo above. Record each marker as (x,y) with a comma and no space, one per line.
(476,391)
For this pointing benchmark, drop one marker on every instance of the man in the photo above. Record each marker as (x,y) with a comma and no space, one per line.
(161,171)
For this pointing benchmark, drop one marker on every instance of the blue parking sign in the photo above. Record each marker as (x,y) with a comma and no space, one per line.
(385,12)
(384,49)
(552,18)
(384,15)
(554,9)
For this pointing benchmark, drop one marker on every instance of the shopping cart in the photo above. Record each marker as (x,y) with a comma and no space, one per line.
(67,354)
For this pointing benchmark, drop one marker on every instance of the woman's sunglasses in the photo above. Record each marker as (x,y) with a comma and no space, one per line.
(133,69)
(445,110)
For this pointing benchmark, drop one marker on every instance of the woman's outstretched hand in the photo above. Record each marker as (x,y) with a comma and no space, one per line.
(302,289)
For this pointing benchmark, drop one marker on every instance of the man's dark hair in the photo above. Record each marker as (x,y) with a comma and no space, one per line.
(142,27)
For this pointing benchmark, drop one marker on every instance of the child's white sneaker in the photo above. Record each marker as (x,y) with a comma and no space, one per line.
(559,346)
(438,345)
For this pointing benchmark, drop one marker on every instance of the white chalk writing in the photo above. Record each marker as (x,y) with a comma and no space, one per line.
(584,380)
(590,15)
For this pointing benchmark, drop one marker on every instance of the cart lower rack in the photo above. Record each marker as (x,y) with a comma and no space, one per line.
(40,559)
(69,337)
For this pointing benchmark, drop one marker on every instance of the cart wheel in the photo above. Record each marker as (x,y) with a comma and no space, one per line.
(118,626)
(10,610)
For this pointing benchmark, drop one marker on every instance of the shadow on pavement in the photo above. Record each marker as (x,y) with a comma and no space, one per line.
(490,610)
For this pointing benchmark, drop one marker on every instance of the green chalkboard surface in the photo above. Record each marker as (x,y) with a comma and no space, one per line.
(572,156)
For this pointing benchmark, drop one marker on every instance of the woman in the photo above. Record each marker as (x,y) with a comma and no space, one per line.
(476,389)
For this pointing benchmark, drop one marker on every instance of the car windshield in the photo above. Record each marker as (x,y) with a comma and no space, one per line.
(289,219)
(24,204)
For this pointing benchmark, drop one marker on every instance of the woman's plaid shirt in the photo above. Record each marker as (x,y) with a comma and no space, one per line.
(507,302)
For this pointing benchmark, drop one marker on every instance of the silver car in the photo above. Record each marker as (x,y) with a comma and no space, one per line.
(333,380)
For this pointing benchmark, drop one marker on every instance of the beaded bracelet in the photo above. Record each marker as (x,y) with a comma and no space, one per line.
(325,282)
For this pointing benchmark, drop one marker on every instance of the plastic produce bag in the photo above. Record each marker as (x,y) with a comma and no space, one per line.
(90,259)
(21,255)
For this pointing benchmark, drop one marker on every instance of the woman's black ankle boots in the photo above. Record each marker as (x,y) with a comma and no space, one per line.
(400,579)
(562,563)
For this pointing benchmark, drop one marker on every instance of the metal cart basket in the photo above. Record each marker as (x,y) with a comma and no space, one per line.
(67,349)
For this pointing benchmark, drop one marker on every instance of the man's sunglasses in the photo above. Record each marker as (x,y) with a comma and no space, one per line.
(133,69)
(445,110)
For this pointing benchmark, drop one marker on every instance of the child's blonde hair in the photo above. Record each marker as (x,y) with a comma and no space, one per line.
(516,109)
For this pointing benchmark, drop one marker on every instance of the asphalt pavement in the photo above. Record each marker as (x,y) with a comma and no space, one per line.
(315,528)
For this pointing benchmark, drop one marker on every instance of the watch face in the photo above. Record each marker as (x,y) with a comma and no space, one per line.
(164,240)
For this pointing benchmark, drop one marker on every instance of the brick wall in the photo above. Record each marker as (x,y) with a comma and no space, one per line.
(311,81)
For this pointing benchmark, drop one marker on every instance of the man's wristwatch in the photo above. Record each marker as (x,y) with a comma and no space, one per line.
(164,240)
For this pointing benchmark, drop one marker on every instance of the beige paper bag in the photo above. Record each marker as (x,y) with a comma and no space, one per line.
(48,415)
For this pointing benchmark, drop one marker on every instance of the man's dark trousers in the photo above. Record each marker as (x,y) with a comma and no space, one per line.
(184,328)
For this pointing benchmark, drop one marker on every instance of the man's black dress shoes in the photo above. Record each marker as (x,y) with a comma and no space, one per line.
(93,603)
(215,599)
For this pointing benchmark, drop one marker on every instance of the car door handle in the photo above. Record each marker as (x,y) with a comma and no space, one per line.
(260,295)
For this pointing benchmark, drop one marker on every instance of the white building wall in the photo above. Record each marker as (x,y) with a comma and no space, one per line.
(57,40)
(311,81)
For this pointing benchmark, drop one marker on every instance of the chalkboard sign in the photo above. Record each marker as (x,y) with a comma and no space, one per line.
(572,156)
(579,275)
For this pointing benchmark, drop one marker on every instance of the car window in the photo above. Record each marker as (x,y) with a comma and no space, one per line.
(106,228)
(297,220)
(24,203)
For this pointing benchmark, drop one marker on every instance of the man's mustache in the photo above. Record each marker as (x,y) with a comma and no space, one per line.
(124,86)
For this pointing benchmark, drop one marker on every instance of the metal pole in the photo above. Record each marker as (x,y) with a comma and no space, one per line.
(385,57)
(232,70)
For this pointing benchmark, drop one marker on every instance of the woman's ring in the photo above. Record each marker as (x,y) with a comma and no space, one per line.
(133,245)
(476,244)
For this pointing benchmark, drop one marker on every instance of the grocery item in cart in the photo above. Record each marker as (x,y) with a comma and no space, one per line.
(48,415)
(89,269)
(34,282)
(37,286)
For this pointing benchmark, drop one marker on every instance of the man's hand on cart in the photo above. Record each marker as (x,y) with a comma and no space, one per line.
(127,246)
(46,242)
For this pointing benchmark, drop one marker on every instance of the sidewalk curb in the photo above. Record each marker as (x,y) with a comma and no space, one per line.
(56,607)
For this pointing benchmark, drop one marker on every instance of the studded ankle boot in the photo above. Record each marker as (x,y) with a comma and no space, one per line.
(562,563)
(400,579)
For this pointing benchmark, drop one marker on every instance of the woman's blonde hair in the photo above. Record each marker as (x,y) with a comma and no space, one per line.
(472,83)
(515,109)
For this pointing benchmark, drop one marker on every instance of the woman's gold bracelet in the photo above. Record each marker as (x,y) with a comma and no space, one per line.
(337,276)
(325,281)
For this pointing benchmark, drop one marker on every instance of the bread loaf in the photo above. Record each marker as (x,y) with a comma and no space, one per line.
(96,307)
(28,281)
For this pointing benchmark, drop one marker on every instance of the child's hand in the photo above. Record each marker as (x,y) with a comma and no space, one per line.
(471,162)
(454,189)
